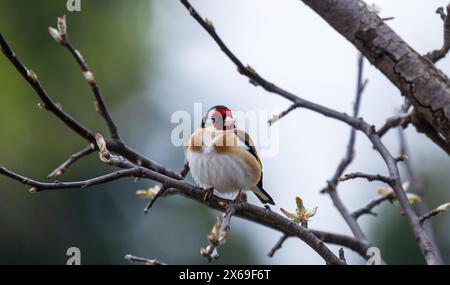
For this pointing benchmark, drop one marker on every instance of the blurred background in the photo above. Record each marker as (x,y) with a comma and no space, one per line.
(151,59)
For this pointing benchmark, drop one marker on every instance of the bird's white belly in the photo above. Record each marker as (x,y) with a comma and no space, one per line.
(226,173)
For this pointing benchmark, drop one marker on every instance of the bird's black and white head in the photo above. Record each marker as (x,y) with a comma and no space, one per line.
(218,118)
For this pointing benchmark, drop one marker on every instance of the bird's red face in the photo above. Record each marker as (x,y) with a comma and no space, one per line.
(219,118)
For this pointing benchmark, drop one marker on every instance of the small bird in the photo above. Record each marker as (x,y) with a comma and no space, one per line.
(224,158)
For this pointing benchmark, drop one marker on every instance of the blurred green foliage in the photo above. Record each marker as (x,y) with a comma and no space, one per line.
(106,222)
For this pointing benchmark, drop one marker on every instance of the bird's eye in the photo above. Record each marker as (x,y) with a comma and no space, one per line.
(213,120)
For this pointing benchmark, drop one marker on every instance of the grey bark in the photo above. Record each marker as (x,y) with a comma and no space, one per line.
(414,75)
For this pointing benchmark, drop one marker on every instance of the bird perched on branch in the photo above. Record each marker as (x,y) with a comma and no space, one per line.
(224,158)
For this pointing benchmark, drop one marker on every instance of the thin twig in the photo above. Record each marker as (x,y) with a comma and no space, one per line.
(436,211)
(277,246)
(71,160)
(47,102)
(41,186)
(417,188)
(229,212)
(347,160)
(152,201)
(146,261)
(369,177)
(277,117)
(367,209)
(118,147)
(399,120)
(438,54)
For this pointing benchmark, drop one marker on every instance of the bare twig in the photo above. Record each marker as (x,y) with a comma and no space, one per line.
(277,246)
(438,54)
(347,160)
(358,123)
(72,159)
(417,188)
(47,103)
(146,261)
(229,212)
(41,186)
(369,177)
(62,37)
(436,211)
(399,120)
(277,117)
(367,209)
(152,201)
(184,172)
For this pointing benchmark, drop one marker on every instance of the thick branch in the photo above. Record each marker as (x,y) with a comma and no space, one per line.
(417,78)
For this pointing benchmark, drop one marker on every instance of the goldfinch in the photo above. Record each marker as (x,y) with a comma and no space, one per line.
(224,158)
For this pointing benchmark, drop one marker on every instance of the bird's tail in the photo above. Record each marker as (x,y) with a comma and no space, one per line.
(262,195)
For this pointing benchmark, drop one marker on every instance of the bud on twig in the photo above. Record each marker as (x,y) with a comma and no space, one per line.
(302,215)
(62,27)
(102,150)
(56,35)
(32,75)
(89,76)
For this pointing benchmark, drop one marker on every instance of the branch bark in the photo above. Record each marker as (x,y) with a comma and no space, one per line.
(417,78)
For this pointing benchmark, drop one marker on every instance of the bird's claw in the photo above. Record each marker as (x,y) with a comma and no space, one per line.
(208,193)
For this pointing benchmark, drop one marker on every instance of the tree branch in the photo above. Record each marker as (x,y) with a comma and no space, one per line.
(41,186)
(277,246)
(402,120)
(417,188)
(367,209)
(118,147)
(62,37)
(433,213)
(277,117)
(369,177)
(438,54)
(72,159)
(416,77)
